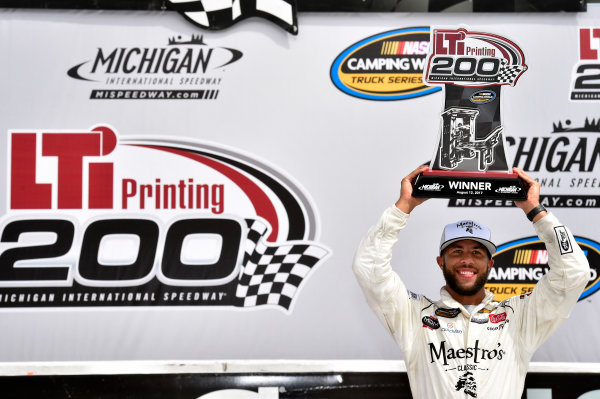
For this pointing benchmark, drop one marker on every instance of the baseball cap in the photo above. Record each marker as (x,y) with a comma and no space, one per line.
(467,230)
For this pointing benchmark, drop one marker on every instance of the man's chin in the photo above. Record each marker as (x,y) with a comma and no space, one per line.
(466,291)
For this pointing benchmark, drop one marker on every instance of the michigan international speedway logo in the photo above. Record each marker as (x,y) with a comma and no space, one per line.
(95,219)
(179,69)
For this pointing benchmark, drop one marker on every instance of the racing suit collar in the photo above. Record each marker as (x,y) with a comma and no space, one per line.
(450,302)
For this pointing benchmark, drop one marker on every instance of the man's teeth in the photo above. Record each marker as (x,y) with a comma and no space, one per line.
(466,273)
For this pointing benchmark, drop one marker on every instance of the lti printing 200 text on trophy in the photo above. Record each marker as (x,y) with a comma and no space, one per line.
(470,161)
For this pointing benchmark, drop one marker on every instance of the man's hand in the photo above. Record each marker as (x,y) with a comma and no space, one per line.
(406,203)
(533,195)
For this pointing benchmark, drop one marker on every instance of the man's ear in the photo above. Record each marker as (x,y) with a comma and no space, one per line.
(490,264)
(440,262)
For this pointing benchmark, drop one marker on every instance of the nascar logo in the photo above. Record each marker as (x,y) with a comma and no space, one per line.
(530,257)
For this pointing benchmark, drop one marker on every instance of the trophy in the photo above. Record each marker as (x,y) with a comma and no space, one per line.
(469,160)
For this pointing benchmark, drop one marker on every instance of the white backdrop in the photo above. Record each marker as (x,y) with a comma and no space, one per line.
(278,105)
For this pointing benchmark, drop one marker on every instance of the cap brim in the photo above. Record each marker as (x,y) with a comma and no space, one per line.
(487,244)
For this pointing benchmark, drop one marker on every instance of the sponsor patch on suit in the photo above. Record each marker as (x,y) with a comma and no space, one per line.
(564,243)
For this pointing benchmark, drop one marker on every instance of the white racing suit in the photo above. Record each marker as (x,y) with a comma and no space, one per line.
(450,353)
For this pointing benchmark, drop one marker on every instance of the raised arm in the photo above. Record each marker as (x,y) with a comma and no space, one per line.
(557,292)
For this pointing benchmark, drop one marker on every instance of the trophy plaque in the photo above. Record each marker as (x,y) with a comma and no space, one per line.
(469,160)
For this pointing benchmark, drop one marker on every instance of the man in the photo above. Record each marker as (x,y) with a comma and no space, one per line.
(466,344)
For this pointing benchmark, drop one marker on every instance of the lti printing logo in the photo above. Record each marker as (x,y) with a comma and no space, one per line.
(386,66)
(468,58)
(182,69)
(98,220)
(566,163)
(520,264)
(586,72)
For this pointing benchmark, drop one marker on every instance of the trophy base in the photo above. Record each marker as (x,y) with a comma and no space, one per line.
(459,184)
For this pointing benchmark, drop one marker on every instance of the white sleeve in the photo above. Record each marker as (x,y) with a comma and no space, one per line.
(557,292)
(385,292)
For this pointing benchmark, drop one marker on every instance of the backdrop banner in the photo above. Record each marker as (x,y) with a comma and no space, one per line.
(169,192)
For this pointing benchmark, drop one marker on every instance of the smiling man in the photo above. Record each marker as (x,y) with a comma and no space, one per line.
(465,259)
(466,345)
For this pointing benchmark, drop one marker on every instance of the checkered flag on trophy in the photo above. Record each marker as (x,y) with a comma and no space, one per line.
(509,73)
(272,274)
(221,14)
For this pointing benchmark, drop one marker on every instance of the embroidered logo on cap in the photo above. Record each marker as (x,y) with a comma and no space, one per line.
(469,225)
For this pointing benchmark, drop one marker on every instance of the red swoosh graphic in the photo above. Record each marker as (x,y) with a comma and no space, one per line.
(260,201)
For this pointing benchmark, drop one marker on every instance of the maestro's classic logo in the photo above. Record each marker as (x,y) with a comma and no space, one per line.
(386,66)
(98,220)
(182,69)
(520,264)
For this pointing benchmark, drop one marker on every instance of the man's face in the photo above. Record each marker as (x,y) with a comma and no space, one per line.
(465,265)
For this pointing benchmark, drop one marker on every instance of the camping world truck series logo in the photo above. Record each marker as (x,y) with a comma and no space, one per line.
(98,220)
(520,264)
(386,66)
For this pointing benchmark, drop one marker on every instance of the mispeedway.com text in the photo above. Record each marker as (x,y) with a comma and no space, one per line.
(154,94)
(553,201)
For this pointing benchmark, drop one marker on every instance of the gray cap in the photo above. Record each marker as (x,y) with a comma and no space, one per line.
(467,230)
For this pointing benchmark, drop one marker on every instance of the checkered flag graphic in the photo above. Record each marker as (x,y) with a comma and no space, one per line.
(271,274)
(508,74)
(221,14)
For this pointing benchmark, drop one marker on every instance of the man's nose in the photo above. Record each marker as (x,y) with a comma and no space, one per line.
(467,259)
